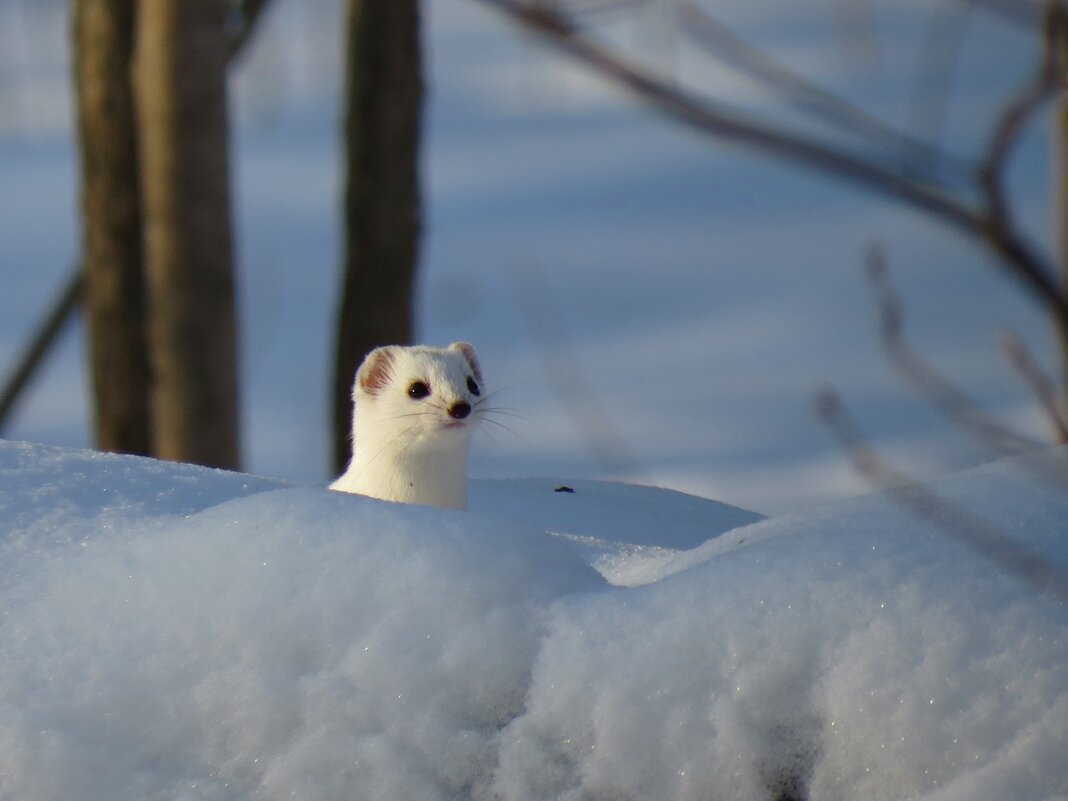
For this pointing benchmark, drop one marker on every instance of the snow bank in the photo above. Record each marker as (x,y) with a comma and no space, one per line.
(176,633)
(846,654)
(296,643)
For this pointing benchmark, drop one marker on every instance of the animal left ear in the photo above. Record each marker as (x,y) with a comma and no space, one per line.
(468,351)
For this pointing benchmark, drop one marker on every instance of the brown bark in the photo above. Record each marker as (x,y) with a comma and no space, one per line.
(114,285)
(180,85)
(382,205)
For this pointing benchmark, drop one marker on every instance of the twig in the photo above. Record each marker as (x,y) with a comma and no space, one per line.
(711,118)
(936,68)
(1019,112)
(719,41)
(953,521)
(590,420)
(66,302)
(950,400)
(1040,383)
(600,7)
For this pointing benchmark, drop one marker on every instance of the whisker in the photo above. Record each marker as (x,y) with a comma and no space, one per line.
(489,396)
(486,433)
(506,408)
(511,413)
(514,385)
(483,401)
(405,414)
(503,427)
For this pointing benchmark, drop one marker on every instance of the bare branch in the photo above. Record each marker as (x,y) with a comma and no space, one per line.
(1040,383)
(591,421)
(953,521)
(599,7)
(950,400)
(709,117)
(1020,111)
(67,301)
(936,68)
(719,41)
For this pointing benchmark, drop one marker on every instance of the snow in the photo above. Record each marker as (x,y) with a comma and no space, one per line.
(627,532)
(173,632)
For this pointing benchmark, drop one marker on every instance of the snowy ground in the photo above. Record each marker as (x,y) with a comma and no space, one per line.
(701,293)
(172,632)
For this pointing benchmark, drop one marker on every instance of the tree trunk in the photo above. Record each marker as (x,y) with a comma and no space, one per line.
(114,282)
(180,84)
(382,207)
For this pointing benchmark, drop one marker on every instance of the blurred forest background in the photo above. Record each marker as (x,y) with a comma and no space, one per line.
(656,221)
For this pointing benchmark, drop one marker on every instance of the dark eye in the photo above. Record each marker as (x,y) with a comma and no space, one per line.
(418,390)
(472,387)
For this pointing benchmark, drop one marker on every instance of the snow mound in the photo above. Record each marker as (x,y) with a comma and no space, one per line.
(629,513)
(628,532)
(847,653)
(171,632)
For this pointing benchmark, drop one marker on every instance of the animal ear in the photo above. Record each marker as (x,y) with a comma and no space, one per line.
(376,370)
(468,351)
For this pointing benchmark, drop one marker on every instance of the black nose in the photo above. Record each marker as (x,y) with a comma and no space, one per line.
(460,410)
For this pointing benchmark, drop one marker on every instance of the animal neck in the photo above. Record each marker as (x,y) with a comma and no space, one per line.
(386,464)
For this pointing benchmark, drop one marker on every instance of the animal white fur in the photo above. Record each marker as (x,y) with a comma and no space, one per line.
(409,448)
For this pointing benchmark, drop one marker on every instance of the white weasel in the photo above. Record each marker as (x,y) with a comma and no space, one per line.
(414,409)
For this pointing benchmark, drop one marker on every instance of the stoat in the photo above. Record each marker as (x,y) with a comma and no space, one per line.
(414,409)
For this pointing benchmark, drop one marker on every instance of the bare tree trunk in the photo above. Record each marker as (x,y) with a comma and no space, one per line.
(114,283)
(181,57)
(382,207)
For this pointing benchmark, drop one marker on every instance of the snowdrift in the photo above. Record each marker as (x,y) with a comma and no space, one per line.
(172,632)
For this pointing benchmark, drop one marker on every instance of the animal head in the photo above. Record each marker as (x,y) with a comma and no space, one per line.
(418,392)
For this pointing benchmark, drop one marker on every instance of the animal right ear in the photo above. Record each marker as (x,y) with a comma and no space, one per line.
(468,351)
(376,369)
